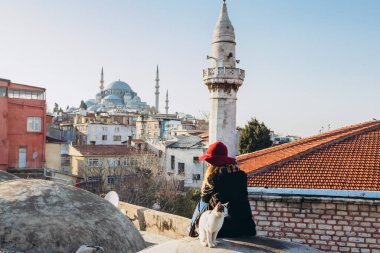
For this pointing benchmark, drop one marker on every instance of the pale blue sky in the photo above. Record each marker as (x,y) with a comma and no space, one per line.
(309,63)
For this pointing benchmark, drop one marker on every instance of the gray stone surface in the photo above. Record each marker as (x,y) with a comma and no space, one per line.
(242,245)
(41,216)
(5,176)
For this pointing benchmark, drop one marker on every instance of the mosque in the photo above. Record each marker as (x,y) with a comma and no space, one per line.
(116,95)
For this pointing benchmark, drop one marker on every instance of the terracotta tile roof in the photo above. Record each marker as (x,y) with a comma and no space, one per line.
(344,159)
(138,140)
(106,150)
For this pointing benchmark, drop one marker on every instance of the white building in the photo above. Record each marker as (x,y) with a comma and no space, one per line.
(182,160)
(105,134)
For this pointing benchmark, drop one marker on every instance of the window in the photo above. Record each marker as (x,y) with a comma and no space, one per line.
(93,162)
(172,162)
(114,180)
(65,161)
(104,137)
(3,91)
(104,129)
(114,163)
(196,159)
(117,137)
(34,124)
(181,169)
(26,94)
(93,179)
(196,177)
(117,129)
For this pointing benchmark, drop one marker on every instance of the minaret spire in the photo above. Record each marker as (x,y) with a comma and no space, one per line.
(101,80)
(157,93)
(223,80)
(167,102)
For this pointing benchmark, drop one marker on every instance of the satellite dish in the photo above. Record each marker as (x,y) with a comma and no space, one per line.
(113,198)
(90,249)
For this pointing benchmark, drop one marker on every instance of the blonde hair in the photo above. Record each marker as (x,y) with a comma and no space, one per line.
(209,171)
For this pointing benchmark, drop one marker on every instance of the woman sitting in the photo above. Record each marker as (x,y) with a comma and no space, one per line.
(224,182)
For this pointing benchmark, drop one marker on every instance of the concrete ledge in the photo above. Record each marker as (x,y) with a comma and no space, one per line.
(166,224)
(255,244)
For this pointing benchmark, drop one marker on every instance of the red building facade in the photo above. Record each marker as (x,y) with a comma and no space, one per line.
(22,126)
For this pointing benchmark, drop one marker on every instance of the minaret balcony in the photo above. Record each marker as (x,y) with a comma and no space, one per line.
(223,73)
(223,78)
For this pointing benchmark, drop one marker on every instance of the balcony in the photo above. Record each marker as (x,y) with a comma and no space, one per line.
(223,73)
(223,78)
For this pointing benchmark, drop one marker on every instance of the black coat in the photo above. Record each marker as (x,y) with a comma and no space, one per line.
(229,184)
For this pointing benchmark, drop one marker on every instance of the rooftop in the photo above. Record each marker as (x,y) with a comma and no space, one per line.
(344,159)
(105,150)
(186,141)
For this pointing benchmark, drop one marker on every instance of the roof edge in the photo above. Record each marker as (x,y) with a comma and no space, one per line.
(314,192)
(312,149)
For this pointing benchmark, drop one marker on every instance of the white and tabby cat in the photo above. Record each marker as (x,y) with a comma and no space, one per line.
(210,223)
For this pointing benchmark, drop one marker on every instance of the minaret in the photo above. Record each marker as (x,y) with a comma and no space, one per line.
(167,102)
(101,81)
(157,93)
(223,80)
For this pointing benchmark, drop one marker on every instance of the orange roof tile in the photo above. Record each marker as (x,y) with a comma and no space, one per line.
(344,159)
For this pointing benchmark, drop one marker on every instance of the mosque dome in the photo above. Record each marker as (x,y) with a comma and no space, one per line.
(89,102)
(112,97)
(119,85)
(101,109)
(93,108)
(44,216)
(71,109)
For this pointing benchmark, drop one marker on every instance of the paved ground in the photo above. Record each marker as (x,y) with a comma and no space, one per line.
(153,239)
(239,245)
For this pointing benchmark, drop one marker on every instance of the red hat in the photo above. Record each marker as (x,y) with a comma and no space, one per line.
(217,154)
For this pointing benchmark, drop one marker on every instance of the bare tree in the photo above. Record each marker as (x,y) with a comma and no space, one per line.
(138,179)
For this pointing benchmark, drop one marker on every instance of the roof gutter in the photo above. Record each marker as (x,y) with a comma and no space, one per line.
(314,192)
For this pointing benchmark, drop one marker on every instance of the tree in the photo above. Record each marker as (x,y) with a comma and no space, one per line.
(254,136)
(140,180)
(83,105)
(56,107)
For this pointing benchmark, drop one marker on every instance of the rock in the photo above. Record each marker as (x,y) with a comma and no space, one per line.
(42,216)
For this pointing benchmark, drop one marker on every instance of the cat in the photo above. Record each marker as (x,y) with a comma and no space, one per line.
(210,223)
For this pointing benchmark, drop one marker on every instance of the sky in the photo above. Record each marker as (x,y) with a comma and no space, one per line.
(308,63)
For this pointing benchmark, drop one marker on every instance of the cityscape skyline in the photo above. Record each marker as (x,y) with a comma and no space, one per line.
(308,64)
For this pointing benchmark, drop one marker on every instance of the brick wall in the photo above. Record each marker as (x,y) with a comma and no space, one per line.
(326,223)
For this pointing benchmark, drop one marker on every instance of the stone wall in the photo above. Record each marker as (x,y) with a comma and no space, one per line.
(326,223)
(166,224)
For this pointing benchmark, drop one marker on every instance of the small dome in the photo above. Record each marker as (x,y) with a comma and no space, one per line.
(93,108)
(89,103)
(71,109)
(43,216)
(100,109)
(112,97)
(119,85)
